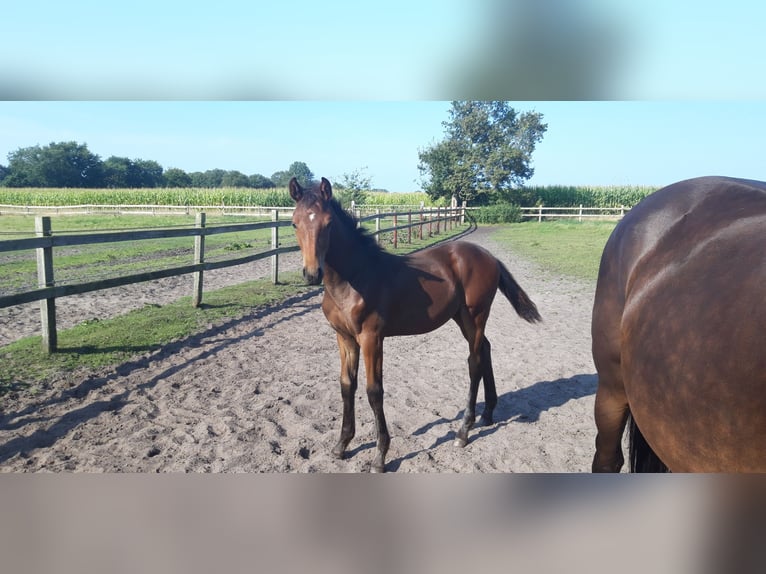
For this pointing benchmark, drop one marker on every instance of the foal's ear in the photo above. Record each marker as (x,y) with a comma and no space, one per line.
(325,189)
(296,191)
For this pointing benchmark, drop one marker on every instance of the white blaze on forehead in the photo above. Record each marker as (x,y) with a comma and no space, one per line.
(312,215)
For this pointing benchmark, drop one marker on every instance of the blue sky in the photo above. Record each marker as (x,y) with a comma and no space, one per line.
(399,49)
(667,90)
(587,143)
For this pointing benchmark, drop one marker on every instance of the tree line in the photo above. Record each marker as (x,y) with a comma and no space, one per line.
(484,158)
(73,165)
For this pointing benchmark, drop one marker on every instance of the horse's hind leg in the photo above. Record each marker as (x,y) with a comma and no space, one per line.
(488,375)
(372,349)
(469,416)
(611,414)
(472,328)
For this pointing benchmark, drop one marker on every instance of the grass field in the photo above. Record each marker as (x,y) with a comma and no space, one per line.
(565,247)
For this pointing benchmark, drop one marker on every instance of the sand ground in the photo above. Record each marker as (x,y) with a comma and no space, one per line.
(261,393)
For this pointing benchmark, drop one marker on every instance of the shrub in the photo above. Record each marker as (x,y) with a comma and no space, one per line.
(497,213)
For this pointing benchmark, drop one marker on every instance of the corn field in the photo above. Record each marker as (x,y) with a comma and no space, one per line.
(247,197)
(587,196)
(558,196)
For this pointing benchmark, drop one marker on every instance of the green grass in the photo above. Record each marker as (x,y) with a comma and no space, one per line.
(94,344)
(565,247)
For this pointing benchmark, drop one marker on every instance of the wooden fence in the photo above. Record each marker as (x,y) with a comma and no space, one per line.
(536,212)
(98,209)
(44,243)
(540,212)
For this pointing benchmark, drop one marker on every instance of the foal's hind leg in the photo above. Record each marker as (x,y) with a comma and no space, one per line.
(472,327)
(372,349)
(488,375)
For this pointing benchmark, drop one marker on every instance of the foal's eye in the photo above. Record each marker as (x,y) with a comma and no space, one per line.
(295,226)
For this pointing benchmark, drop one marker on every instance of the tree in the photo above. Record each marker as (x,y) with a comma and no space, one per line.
(211,178)
(235,178)
(197,179)
(487,152)
(353,186)
(297,169)
(259,181)
(149,173)
(175,177)
(301,172)
(280,178)
(122,172)
(63,164)
(119,172)
(4,172)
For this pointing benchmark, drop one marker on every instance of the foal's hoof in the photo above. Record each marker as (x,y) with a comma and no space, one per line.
(460,442)
(377,469)
(338,453)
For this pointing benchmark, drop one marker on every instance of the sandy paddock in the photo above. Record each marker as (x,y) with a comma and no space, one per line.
(261,394)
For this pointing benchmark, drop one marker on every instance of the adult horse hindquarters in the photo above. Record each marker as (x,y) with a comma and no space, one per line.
(370,294)
(679,326)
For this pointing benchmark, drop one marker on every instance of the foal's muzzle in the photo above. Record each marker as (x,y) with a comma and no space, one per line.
(313,278)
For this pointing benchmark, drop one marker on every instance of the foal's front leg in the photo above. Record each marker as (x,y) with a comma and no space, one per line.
(372,348)
(349,366)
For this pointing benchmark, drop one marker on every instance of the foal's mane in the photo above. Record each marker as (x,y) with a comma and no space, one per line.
(350,223)
(347,221)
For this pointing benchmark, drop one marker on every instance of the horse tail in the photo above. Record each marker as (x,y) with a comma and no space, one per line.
(642,457)
(516,295)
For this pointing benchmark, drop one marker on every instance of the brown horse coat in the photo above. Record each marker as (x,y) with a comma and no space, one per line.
(679,328)
(371,294)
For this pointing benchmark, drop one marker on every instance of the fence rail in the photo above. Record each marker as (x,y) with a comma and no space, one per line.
(95,209)
(541,212)
(536,212)
(45,242)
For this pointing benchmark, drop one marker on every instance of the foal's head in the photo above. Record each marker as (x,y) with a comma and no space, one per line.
(312,219)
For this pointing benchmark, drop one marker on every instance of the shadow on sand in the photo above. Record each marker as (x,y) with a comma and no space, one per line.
(519,406)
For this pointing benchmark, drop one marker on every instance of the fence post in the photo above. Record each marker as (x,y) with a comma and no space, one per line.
(45,279)
(580,218)
(275,245)
(377,225)
(409,227)
(199,257)
(462,213)
(396,233)
(540,214)
(438,219)
(422,208)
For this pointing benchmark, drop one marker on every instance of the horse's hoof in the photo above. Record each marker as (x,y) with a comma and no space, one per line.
(377,469)
(485,421)
(460,442)
(339,454)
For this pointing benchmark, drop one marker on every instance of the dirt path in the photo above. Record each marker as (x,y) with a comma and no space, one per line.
(260,394)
